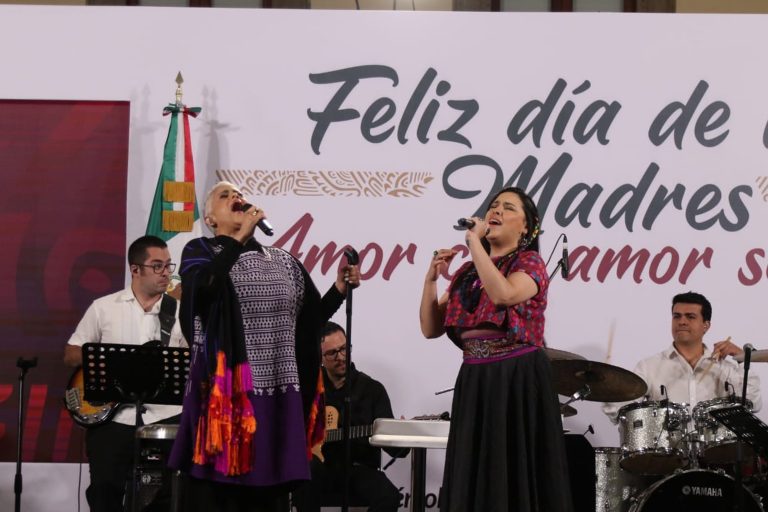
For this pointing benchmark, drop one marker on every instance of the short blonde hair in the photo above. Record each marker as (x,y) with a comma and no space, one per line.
(209,197)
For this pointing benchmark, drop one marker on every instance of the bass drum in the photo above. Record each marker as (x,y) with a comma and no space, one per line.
(695,489)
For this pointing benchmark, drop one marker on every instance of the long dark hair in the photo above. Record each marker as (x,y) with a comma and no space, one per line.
(467,282)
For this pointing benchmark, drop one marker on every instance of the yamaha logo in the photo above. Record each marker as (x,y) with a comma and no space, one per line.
(711,492)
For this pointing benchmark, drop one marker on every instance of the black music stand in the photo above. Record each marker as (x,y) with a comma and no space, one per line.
(748,428)
(744,424)
(135,374)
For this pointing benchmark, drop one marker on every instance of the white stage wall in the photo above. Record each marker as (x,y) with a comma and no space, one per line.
(598,163)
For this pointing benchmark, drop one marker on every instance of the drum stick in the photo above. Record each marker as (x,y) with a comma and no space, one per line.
(709,366)
(611,332)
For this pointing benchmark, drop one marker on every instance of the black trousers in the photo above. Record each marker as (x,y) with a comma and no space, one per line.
(208,496)
(110,460)
(367,485)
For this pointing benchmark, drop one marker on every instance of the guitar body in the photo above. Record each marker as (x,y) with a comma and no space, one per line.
(331,423)
(333,433)
(86,414)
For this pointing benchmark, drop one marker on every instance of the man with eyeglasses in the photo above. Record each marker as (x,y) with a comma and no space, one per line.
(369,401)
(130,316)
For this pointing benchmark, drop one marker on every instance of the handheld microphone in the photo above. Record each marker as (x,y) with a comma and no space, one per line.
(263,224)
(564,262)
(749,347)
(464,224)
(352,257)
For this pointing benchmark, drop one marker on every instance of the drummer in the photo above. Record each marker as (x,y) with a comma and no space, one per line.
(689,371)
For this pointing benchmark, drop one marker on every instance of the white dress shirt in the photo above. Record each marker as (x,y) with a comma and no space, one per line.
(119,318)
(686,385)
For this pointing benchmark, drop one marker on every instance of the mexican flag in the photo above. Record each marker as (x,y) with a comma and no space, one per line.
(174,208)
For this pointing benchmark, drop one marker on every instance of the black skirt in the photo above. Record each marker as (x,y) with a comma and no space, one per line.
(506,450)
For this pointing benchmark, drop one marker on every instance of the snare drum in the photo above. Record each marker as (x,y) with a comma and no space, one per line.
(615,488)
(718,443)
(692,490)
(652,437)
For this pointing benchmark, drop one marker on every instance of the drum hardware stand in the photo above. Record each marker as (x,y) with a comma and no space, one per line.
(24,365)
(581,394)
(110,375)
(352,259)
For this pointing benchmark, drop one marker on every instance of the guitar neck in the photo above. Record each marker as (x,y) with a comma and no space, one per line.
(355,432)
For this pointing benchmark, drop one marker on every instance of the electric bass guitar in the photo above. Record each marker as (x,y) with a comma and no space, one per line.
(84,413)
(89,414)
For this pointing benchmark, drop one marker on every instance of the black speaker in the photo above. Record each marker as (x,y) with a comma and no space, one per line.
(581,472)
(155,480)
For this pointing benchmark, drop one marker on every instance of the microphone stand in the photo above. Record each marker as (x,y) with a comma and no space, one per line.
(24,365)
(562,263)
(352,259)
(739,506)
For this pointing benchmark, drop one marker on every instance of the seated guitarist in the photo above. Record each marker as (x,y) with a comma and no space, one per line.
(130,316)
(369,401)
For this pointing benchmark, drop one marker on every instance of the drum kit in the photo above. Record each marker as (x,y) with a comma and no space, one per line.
(671,457)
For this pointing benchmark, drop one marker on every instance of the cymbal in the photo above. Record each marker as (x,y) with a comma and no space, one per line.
(566,411)
(758,356)
(607,383)
(554,354)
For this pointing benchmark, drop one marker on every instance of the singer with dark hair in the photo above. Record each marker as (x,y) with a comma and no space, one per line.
(253,404)
(505,447)
(688,371)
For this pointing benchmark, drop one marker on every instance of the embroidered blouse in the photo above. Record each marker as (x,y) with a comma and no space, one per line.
(523,322)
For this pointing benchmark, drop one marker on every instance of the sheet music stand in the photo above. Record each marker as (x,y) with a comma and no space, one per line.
(136,374)
(744,424)
(748,428)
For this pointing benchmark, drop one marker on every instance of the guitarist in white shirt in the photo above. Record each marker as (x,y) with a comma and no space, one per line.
(369,401)
(130,316)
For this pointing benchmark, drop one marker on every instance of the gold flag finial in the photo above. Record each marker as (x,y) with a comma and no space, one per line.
(179,81)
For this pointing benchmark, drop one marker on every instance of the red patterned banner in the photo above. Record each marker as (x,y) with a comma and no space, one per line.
(63,169)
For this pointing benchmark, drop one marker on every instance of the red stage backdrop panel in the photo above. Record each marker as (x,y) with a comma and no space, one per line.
(63,174)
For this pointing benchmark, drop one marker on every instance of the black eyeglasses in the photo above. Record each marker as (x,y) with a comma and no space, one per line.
(158,268)
(331,354)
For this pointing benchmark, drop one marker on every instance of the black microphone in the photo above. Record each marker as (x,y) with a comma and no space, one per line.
(464,224)
(749,347)
(590,429)
(663,390)
(263,224)
(564,262)
(352,257)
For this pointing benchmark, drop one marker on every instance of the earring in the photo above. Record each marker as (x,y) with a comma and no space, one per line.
(527,239)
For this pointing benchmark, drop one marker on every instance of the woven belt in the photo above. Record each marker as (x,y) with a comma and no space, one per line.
(486,350)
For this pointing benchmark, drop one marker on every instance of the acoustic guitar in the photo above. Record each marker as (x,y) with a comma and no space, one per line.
(333,433)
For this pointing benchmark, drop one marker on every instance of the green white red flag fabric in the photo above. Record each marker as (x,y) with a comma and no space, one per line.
(174,208)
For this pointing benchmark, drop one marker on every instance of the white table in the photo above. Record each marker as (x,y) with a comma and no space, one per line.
(418,435)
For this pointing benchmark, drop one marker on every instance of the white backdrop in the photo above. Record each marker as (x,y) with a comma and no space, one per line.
(258,74)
